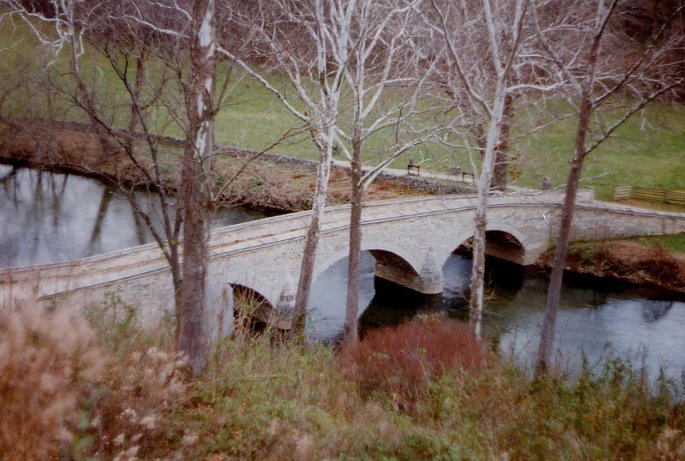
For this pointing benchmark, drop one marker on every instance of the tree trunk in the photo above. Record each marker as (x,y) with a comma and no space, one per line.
(546,347)
(350,329)
(177,282)
(86,101)
(195,184)
(135,100)
(304,285)
(502,158)
(480,222)
(477,286)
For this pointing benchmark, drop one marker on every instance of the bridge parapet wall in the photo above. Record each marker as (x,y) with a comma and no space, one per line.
(265,255)
(603,221)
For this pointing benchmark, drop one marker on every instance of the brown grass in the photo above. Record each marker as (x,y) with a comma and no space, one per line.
(630,262)
(47,360)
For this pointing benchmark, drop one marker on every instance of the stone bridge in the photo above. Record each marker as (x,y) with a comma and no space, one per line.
(410,238)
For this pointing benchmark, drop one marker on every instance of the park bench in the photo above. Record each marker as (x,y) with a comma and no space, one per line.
(462,175)
(413,168)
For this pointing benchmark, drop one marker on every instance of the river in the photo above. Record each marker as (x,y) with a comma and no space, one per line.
(49,217)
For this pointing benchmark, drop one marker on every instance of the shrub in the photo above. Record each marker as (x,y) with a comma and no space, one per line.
(139,390)
(402,362)
(142,382)
(47,360)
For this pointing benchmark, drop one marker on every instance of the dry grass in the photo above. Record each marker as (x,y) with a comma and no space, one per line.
(47,361)
(423,391)
(141,382)
(629,261)
(137,392)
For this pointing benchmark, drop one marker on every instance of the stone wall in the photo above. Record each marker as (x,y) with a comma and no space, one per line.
(415,182)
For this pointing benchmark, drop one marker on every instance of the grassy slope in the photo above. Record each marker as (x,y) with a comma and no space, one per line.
(674,243)
(266,399)
(648,151)
(644,154)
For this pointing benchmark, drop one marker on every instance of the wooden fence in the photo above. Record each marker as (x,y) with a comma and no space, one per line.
(654,195)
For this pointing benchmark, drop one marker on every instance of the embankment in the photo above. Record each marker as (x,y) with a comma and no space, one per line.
(246,177)
(626,261)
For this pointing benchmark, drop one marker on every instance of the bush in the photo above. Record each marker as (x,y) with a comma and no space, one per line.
(47,360)
(142,382)
(139,391)
(403,361)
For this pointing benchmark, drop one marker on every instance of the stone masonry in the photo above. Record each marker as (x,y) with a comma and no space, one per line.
(410,238)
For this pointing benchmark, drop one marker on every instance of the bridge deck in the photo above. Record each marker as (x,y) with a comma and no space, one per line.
(407,227)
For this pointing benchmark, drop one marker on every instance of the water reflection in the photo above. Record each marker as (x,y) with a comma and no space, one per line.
(616,329)
(50,217)
(654,311)
(329,294)
(593,322)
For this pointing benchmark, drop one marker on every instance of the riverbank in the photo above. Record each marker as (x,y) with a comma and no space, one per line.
(109,390)
(262,180)
(626,261)
(286,184)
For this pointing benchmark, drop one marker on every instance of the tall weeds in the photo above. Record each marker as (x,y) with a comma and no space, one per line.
(142,382)
(47,360)
(426,390)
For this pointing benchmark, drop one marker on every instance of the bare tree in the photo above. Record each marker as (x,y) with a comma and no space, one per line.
(611,76)
(382,62)
(196,184)
(314,61)
(182,43)
(486,66)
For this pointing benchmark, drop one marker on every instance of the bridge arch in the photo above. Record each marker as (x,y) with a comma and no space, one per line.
(415,268)
(383,250)
(250,307)
(503,242)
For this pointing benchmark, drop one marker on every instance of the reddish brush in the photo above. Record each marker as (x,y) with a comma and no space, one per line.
(403,361)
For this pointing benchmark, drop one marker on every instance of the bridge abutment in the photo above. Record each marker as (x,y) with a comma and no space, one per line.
(282,315)
(428,281)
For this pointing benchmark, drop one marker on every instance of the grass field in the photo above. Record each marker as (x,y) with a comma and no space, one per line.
(649,151)
(674,242)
